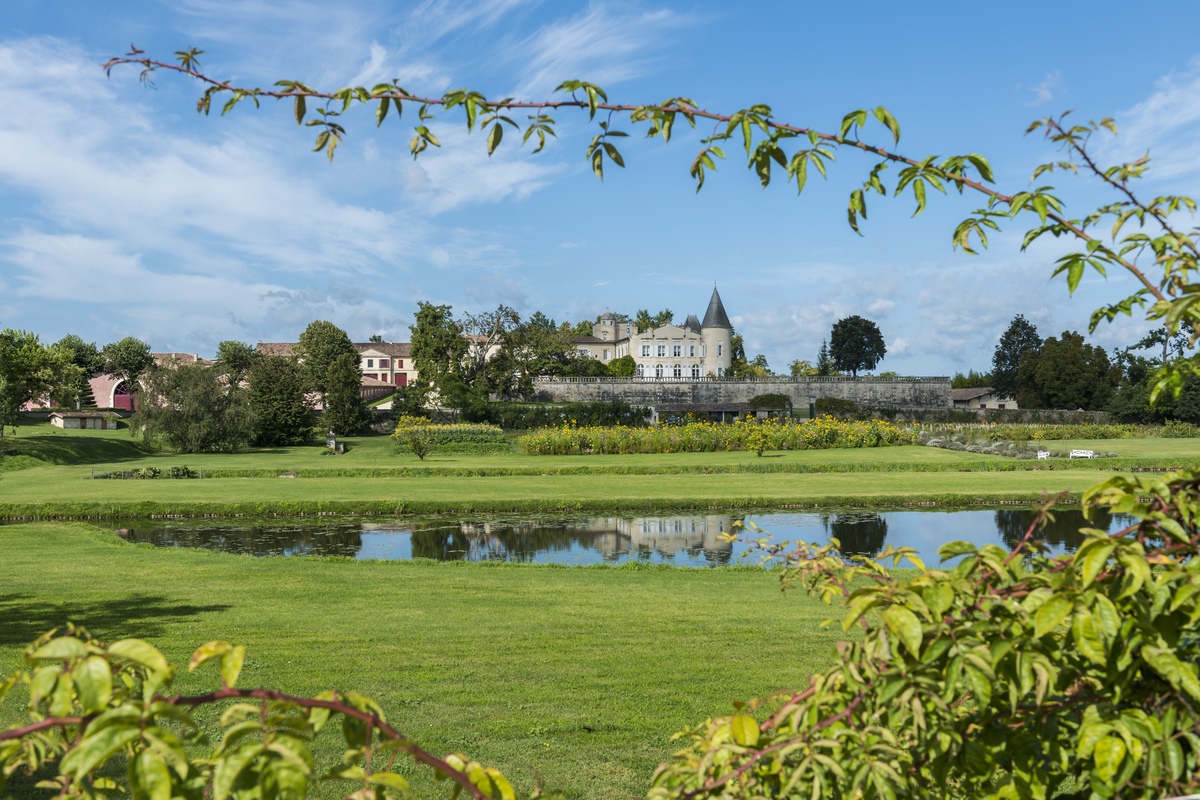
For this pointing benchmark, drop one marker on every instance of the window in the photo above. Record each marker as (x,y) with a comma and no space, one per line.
(720,371)
(703,350)
(606,354)
(658,371)
(641,372)
(370,363)
(1000,406)
(604,336)
(400,364)
(402,379)
(678,371)
(983,405)
(677,350)
(662,350)
(720,347)
(695,370)
(691,351)
(383,363)
(645,351)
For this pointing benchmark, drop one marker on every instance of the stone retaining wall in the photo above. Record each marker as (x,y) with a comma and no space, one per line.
(899,393)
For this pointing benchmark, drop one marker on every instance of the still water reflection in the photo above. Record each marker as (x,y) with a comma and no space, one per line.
(692,540)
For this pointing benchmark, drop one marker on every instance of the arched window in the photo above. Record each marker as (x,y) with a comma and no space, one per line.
(658,371)
(695,370)
(677,371)
(641,371)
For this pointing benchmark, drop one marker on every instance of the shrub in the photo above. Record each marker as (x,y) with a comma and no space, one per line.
(470,437)
(707,437)
(180,472)
(837,407)
(529,416)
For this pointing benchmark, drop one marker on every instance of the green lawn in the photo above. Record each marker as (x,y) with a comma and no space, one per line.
(506,663)
(60,483)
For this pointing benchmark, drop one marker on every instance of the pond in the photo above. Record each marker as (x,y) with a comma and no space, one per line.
(685,540)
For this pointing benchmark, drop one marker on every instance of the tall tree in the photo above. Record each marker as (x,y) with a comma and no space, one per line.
(193,410)
(973,380)
(802,368)
(279,397)
(86,356)
(31,372)
(128,360)
(1066,373)
(375,339)
(855,343)
(235,360)
(438,348)
(319,346)
(825,366)
(645,320)
(1020,338)
(345,412)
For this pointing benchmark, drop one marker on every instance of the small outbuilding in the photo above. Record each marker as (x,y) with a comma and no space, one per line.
(85,420)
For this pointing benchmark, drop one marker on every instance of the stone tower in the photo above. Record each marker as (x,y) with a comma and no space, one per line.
(716,333)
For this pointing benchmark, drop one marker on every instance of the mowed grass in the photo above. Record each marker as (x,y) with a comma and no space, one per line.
(519,482)
(579,675)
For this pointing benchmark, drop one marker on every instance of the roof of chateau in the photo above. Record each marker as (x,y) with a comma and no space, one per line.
(716,317)
(692,324)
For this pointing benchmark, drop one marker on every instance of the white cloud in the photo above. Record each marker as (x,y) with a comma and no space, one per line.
(1165,124)
(881,308)
(597,45)
(1046,89)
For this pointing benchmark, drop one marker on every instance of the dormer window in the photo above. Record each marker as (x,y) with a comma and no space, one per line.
(604,336)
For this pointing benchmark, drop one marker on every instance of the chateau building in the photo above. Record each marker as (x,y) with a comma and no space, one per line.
(695,349)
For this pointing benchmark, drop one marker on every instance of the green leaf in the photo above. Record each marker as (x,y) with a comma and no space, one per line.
(614,154)
(206,651)
(953,549)
(1109,753)
(494,137)
(149,777)
(60,649)
(93,679)
(231,664)
(380,113)
(231,766)
(1094,562)
(299,108)
(97,748)
(1083,630)
(1052,612)
(744,730)
(905,626)
(390,780)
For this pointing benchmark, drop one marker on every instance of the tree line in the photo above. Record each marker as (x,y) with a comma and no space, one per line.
(1065,372)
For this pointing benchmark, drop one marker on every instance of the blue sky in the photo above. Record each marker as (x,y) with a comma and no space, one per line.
(123,212)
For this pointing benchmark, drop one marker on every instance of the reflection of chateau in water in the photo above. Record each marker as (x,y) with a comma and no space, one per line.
(254,540)
(613,538)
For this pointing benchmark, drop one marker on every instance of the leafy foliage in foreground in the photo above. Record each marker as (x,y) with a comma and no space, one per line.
(463,437)
(94,705)
(702,437)
(1006,675)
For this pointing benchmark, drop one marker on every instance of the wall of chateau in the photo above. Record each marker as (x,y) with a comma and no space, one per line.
(906,393)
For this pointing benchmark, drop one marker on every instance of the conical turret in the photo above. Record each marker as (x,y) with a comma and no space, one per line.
(716,317)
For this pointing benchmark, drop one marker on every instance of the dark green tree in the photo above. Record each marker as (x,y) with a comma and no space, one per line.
(645,320)
(279,397)
(86,356)
(438,349)
(235,360)
(128,360)
(32,372)
(1066,373)
(319,346)
(191,409)
(375,339)
(623,367)
(1020,338)
(345,412)
(972,380)
(825,361)
(855,343)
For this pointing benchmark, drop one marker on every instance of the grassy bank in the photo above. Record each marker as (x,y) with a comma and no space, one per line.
(577,674)
(373,479)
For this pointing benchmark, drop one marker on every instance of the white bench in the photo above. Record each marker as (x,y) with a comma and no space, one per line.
(1043,455)
(1083,454)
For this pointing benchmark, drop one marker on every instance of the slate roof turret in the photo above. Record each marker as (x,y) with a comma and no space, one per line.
(692,324)
(716,317)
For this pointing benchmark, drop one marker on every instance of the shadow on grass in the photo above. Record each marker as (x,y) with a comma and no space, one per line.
(23,618)
(66,449)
